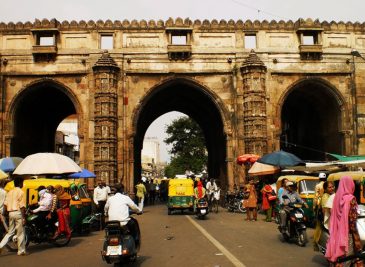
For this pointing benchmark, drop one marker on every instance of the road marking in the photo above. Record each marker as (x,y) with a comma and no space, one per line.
(216,243)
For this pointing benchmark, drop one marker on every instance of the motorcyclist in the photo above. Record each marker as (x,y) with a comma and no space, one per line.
(117,208)
(199,192)
(290,196)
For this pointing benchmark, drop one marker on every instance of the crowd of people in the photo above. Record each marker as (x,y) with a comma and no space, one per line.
(53,206)
(335,210)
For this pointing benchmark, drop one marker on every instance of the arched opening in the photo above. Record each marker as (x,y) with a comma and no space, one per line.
(311,119)
(193,100)
(37,112)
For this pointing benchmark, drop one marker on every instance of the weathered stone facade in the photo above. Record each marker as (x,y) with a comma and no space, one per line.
(299,87)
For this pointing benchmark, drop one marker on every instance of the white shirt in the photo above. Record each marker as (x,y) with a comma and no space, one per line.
(2,199)
(117,208)
(100,194)
(327,214)
(211,187)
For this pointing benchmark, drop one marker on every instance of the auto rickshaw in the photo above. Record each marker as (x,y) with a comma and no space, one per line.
(30,188)
(306,190)
(358,177)
(180,195)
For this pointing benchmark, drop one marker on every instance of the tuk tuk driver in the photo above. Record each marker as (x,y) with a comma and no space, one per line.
(289,196)
(199,192)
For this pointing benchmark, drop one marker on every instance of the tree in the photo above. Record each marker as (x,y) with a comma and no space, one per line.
(188,147)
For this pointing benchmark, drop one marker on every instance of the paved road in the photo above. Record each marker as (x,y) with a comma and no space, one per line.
(223,239)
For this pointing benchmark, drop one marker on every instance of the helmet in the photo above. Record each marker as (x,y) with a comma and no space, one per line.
(322,175)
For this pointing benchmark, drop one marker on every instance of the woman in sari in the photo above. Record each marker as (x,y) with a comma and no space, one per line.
(344,238)
(63,212)
(251,202)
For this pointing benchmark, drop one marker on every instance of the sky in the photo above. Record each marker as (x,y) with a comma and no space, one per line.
(324,10)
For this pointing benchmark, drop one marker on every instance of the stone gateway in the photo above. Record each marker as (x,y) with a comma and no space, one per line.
(253,87)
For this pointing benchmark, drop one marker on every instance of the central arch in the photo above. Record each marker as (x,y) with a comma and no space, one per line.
(196,101)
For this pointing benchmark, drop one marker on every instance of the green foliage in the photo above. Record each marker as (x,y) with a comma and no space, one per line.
(188,147)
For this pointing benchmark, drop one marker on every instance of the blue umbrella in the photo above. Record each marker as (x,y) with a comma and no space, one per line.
(83,174)
(281,159)
(9,164)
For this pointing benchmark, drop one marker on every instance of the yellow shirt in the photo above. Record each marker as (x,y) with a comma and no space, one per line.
(15,200)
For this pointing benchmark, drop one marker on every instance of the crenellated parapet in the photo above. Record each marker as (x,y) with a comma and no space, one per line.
(247,25)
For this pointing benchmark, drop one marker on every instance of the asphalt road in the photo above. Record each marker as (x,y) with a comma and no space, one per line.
(223,239)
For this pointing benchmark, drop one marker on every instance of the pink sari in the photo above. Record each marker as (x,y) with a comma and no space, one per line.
(337,244)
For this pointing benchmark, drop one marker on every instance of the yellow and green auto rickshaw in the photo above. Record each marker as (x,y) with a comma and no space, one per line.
(30,188)
(358,177)
(180,195)
(306,190)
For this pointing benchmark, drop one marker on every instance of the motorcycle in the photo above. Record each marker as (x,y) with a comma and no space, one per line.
(234,202)
(120,246)
(38,230)
(202,208)
(296,225)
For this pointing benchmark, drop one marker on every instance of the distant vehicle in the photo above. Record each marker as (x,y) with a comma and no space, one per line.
(180,195)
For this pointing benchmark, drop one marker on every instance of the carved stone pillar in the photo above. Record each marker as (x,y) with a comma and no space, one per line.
(106,73)
(253,73)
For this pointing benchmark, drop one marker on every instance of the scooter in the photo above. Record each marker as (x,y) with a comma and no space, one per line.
(360,224)
(121,243)
(202,208)
(296,225)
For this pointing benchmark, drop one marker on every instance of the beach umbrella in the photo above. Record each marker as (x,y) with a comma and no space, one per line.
(46,163)
(83,174)
(247,158)
(9,164)
(281,159)
(258,169)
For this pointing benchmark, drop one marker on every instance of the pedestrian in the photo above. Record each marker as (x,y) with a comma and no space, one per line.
(344,238)
(14,204)
(151,192)
(108,190)
(63,212)
(250,203)
(141,192)
(323,213)
(268,200)
(2,200)
(100,197)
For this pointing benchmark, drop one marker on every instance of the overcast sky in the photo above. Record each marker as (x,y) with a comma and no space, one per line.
(28,10)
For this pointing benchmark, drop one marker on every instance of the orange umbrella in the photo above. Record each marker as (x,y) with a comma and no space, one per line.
(262,169)
(251,158)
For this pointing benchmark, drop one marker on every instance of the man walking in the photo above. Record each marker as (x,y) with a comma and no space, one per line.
(100,197)
(15,205)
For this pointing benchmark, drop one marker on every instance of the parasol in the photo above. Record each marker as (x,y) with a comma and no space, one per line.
(83,174)
(262,169)
(9,164)
(46,163)
(247,158)
(281,159)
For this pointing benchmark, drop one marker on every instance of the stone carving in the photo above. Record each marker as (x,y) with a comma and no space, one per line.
(105,152)
(254,105)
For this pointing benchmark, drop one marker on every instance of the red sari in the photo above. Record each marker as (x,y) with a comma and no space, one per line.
(63,214)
